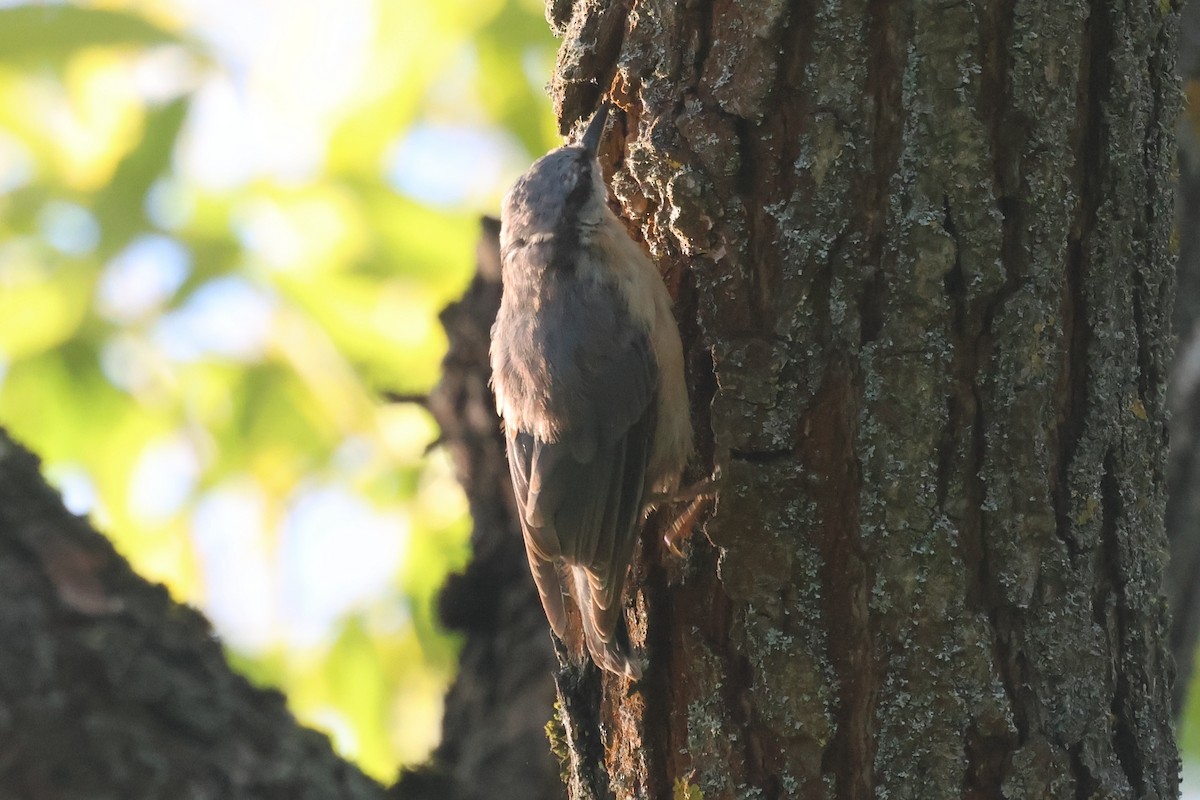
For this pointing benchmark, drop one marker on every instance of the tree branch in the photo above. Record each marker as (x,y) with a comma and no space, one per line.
(110,689)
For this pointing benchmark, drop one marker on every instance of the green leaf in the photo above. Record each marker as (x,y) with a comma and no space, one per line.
(50,35)
(120,207)
(360,691)
(41,308)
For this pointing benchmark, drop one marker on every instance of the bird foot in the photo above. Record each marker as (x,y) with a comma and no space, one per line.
(694,499)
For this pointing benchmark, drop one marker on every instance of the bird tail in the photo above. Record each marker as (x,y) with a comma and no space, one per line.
(604,630)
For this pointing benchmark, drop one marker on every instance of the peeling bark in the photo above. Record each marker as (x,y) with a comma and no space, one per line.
(921,253)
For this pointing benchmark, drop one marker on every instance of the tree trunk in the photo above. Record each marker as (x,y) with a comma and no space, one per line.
(921,252)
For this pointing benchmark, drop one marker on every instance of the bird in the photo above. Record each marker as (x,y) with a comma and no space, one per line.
(588,373)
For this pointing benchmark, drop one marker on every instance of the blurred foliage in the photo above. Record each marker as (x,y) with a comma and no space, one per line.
(1189,725)
(1188,733)
(216,252)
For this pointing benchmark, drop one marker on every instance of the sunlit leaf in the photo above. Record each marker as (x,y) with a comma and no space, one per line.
(121,205)
(47,34)
(516,96)
(40,308)
(359,690)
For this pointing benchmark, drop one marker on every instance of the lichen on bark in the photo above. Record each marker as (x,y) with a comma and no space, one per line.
(921,259)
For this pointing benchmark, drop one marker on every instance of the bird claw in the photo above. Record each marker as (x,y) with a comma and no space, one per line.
(697,496)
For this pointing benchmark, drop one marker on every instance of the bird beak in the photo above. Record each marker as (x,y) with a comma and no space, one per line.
(595,129)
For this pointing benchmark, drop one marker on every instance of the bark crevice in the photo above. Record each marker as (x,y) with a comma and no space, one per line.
(890,211)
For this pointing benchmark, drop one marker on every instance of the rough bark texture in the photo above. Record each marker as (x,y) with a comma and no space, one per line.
(494,743)
(1183,491)
(922,258)
(109,689)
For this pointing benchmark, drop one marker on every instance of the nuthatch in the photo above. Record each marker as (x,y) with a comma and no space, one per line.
(588,371)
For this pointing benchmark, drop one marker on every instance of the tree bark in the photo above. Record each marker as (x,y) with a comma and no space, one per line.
(109,689)
(921,252)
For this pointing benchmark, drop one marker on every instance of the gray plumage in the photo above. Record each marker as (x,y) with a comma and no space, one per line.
(588,371)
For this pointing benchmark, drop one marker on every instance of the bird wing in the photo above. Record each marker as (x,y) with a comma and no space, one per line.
(581,494)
